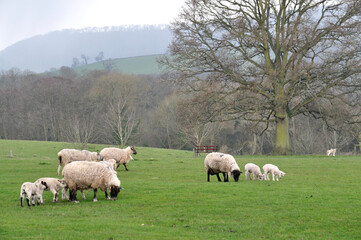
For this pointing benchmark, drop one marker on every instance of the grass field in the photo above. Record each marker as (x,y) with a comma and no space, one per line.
(131,65)
(166,196)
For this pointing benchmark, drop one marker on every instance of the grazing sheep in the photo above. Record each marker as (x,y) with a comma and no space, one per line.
(66,156)
(216,163)
(54,186)
(251,168)
(270,168)
(332,152)
(84,175)
(33,191)
(121,156)
(111,164)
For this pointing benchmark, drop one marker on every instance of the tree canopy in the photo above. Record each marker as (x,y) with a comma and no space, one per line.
(270,60)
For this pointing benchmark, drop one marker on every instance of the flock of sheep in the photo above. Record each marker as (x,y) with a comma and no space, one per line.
(82,170)
(216,163)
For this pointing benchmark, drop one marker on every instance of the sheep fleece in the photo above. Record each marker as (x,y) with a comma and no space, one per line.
(85,175)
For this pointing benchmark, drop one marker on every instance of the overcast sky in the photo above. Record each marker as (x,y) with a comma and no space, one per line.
(21,19)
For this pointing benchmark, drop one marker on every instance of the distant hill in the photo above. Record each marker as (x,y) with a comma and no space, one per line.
(131,65)
(56,49)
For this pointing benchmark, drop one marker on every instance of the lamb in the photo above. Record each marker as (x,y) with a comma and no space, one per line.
(332,152)
(270,168)
(84,175)
(33,191)
(121,156)
(54,186)
(251,168)
(217,162)
(66,156)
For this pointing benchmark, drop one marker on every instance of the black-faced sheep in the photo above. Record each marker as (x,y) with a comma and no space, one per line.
(66,156)
(85,175)
(216,163)
(121,156)
(33,191)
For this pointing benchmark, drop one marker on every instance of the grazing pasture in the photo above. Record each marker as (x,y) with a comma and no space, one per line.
(167,196)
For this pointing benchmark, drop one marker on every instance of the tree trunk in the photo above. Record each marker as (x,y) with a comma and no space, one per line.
(282,146)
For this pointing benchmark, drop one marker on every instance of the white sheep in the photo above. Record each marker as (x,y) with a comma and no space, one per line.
(66,156)
(332,152)
(216,163)
(33,191)
(54,186)
(121,156)
(111,164)
(85,175)
(270,168)
(251,169)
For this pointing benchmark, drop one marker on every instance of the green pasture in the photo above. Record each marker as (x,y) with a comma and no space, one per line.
(166,196)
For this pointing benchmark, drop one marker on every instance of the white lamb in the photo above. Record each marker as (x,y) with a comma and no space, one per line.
(332,152)
(121,156)
(54,186)
(33,191)
(270,168)
(251,169)
(66,156)
(85,175)
(216,163)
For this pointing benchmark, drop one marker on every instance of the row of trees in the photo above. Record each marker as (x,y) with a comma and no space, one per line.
(115,108)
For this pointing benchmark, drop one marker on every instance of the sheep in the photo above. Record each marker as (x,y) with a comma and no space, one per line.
(33,191)
(251,168)
(66,156)
(111,164)
(121,156)
(217,162)
(332,152)
(270,168)
(83,175)
(54,186)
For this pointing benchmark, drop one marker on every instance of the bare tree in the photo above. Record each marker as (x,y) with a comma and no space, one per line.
(99,57)
(269,60)
(85,58)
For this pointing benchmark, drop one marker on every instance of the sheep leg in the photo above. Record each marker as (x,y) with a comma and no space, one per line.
(219,179)
(208,174)
(273,176)
(56,197)
(95,195)
(28,201)
(225,177)
(126,169)
(59,169)
(64,193)
(118,164)
(73,196)
(83,194)
(33,200)
(21,201)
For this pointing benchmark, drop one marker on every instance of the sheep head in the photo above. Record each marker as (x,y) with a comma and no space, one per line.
(133,150)
(235,174)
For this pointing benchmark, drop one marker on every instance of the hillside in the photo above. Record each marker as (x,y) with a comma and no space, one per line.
(131,65)
(56,49)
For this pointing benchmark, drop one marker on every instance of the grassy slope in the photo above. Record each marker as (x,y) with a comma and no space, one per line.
(166,196)
(131,65)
